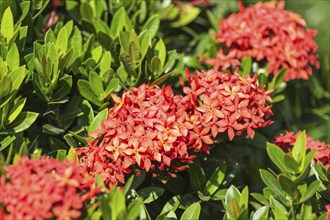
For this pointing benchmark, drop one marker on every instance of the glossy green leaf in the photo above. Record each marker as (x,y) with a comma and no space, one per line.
(62,41)
(161,51)
(299,148)
(12,58)
(21,123)
(7,25)
(232,194)
(150,194)
(246,66)
(215,180)
(96,84)
(16,110)
(156,66)
(112,85)
(244,200)
(4,143)
(192,212)
(61,155)
(272,182)
(133,209)
(186,16)
(52,130)
(127,61)
(197,176)
(101,116)
(171,205)
(152,25)
(278,209)
(63,88)
(261,213)
(86,91)
(277,156)
(311,190)
(117,204)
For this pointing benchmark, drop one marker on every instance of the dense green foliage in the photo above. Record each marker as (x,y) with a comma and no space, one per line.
(61,60)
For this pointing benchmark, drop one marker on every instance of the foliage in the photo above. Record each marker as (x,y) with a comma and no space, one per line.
(64,64)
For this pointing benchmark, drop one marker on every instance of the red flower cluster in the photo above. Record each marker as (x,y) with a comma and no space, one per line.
(149,127)
(322,154)
(44,188)
(228,102)
(267,33)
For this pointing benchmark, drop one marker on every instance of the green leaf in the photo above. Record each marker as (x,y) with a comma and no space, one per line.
(134,38)
(17,76)
(7,25)
(287,185)
(151,26)
(117,204)
(25,6)
(278,98)
(101,116)
(246,66)
(63,88)
(61,155)
(299,149)
(150,194)
(215,180)
(311,190)
(97,54)
(271,182)
(232,194)
(161,51)
(96,84)
(16,110)
(21,123)
(117,23)
(12,58)
(277,156)
(5,88)
(134,52)
(145,43)
(156,66)
(197,176)
(192,212)
(72,156)
(188,14)
(127,61)
(62,41)
(278,209)
(86,91)
(161,79)
(6,142)
(133,210)
(112,85)
(105,62)
(244,200)
(260,198)
(52,130)
(261,213)
(171,205)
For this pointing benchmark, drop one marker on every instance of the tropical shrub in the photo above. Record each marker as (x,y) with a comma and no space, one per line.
(164,110)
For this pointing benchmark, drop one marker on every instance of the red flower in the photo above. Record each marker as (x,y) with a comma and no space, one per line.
(267,33)
(45,188)
(149,128)
(322,155)
(227,103)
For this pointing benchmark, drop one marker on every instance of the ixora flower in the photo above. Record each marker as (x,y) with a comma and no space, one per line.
(286,142)
(44,188)
(227,102)
(269,34)
(149,128)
